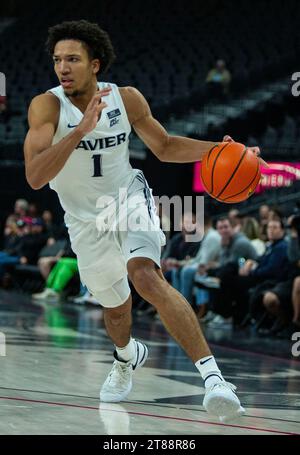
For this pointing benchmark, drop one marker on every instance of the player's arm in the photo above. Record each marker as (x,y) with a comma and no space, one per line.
(43,161)
(175,149)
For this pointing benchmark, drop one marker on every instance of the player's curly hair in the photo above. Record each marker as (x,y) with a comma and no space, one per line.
(96,40)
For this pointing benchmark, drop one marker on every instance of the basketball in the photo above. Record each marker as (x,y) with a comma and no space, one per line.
(230,172)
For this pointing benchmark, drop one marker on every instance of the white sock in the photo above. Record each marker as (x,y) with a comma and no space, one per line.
(128,352)
(209,371)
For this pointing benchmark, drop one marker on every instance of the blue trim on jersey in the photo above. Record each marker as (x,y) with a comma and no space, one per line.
(147,194)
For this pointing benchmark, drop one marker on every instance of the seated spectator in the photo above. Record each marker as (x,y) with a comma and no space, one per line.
(275,214)
(50,227)
(218,80)
(26,248)
(53,250)
(282,301)
(49,255)
(233,247)
(33,210)
(20,210)
(232,300)
(236,220)
(10,234)
(267,214)
(251,230)
(264,211)
(62,272)
(179,249)
(209,251)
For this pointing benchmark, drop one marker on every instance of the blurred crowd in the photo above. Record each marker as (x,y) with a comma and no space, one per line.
(35,245)
(245,271)
(242,270)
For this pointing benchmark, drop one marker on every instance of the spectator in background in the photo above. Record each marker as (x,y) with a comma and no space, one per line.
(33,239)
(251,231)
(11,231)
(12,254)
(33,210)
(282,301)
(179,249)
(267,214)
(218,80)
(263,214)
(209,251)
(51,228)
(49,255)
(11,234)
(273,265)
(275,214)
(61,274)
(20,209)
(233,247)
(26,249)
(264,211)
(57,240)
(236,220)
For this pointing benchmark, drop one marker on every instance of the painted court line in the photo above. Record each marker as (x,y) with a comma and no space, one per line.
(145,403)
(178,419)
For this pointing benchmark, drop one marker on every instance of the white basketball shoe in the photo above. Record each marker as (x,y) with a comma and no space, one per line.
(220,400)
(118,384)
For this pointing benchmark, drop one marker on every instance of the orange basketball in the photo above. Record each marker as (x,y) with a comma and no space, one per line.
(230,172)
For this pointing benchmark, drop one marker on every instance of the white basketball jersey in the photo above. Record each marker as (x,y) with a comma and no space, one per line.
(99,165)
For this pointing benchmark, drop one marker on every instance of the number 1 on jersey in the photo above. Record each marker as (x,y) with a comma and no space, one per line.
(97,165)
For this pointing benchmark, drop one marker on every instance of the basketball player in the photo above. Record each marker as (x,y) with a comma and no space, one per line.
(78,142)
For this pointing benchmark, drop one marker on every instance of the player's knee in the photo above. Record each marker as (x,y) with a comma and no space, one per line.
(116,298)
(270,300)
(144,280)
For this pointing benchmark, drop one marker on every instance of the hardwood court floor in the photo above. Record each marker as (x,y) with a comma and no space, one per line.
(57,357)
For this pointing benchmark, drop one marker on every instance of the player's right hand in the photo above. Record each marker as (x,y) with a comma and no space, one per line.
(93,111)
(255,150)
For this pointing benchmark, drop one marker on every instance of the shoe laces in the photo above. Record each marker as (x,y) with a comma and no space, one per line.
(120,374)
(222,384)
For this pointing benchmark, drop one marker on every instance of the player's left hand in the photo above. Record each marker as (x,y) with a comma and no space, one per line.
(255,150)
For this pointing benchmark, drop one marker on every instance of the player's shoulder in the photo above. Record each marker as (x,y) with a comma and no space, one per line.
(44,108)
(45,100)
(130,93)
(134,102)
